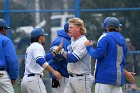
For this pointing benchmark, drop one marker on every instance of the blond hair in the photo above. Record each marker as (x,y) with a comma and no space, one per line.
(78,22)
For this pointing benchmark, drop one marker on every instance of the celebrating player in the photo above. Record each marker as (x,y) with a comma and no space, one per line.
(59,63)
(36,63)
(110,54)
(129,75)
(79,66)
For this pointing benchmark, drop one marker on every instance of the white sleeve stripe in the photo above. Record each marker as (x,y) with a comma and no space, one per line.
(39,57)
(76,56)
(45,65)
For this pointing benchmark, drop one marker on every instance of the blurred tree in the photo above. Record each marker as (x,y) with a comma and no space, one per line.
(46,5)
(94,20)
(17,18)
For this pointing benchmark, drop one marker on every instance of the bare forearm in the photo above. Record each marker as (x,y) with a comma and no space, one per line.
(65,55)
(50,69)
(129,76)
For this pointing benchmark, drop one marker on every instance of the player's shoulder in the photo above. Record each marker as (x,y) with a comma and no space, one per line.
(4,38)
(103,35)
(36,45)
(80,42)
(82,38)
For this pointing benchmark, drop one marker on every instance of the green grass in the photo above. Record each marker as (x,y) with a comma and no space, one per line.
(138,81)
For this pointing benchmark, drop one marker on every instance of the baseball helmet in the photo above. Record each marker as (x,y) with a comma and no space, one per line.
(3,24)
(66,27)
(113,22)
(105,23)
(37,32)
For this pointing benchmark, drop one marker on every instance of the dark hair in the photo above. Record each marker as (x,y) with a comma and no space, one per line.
(36,39)
(113,29)
(1,28)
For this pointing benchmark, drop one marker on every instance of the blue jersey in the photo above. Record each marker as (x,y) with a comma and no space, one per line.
(8,57)
(59,63)
(110,54)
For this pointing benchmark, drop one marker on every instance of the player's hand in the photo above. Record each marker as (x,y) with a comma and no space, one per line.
(88,43)
(13,82)
(57,75)
(61,51)
(130,76)
(59,47)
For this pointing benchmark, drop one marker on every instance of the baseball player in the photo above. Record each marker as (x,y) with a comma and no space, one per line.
(129,75)
(110,54)
(59,63)
(8,61)
(35,63)
(79,66)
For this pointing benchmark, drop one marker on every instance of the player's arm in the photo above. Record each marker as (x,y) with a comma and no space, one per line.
(99,51)
(129,76)
(70,57)
(42,62)
(54,52)
(11,60)
(49,56)
(78,53)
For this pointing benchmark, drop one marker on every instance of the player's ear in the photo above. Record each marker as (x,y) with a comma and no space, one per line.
(39,38)
(107,29)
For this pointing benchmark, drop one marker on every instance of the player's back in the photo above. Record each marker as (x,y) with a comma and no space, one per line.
(34,51)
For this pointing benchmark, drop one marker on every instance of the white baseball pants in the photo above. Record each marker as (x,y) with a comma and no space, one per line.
(106,88)
(32,84)
(5,83)
(79,84)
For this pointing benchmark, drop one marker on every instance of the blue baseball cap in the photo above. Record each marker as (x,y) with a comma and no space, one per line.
(113,22)
(36,32)
(3,24)
(105,23)
(66,27)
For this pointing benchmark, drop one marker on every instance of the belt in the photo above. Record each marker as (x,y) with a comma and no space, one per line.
(29,75)
(2,69)
(73,75)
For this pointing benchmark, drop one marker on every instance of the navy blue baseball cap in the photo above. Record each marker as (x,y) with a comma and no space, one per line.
(3,24)
(66,27)
(36,32)
(105,23)
(113,22)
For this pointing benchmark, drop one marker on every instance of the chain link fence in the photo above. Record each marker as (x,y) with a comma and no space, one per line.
(24,15)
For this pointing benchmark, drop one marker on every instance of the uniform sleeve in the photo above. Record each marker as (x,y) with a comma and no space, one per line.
(39,56)
(79,51)
(49,56)
(39,52)
(100,50)
(11,59)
